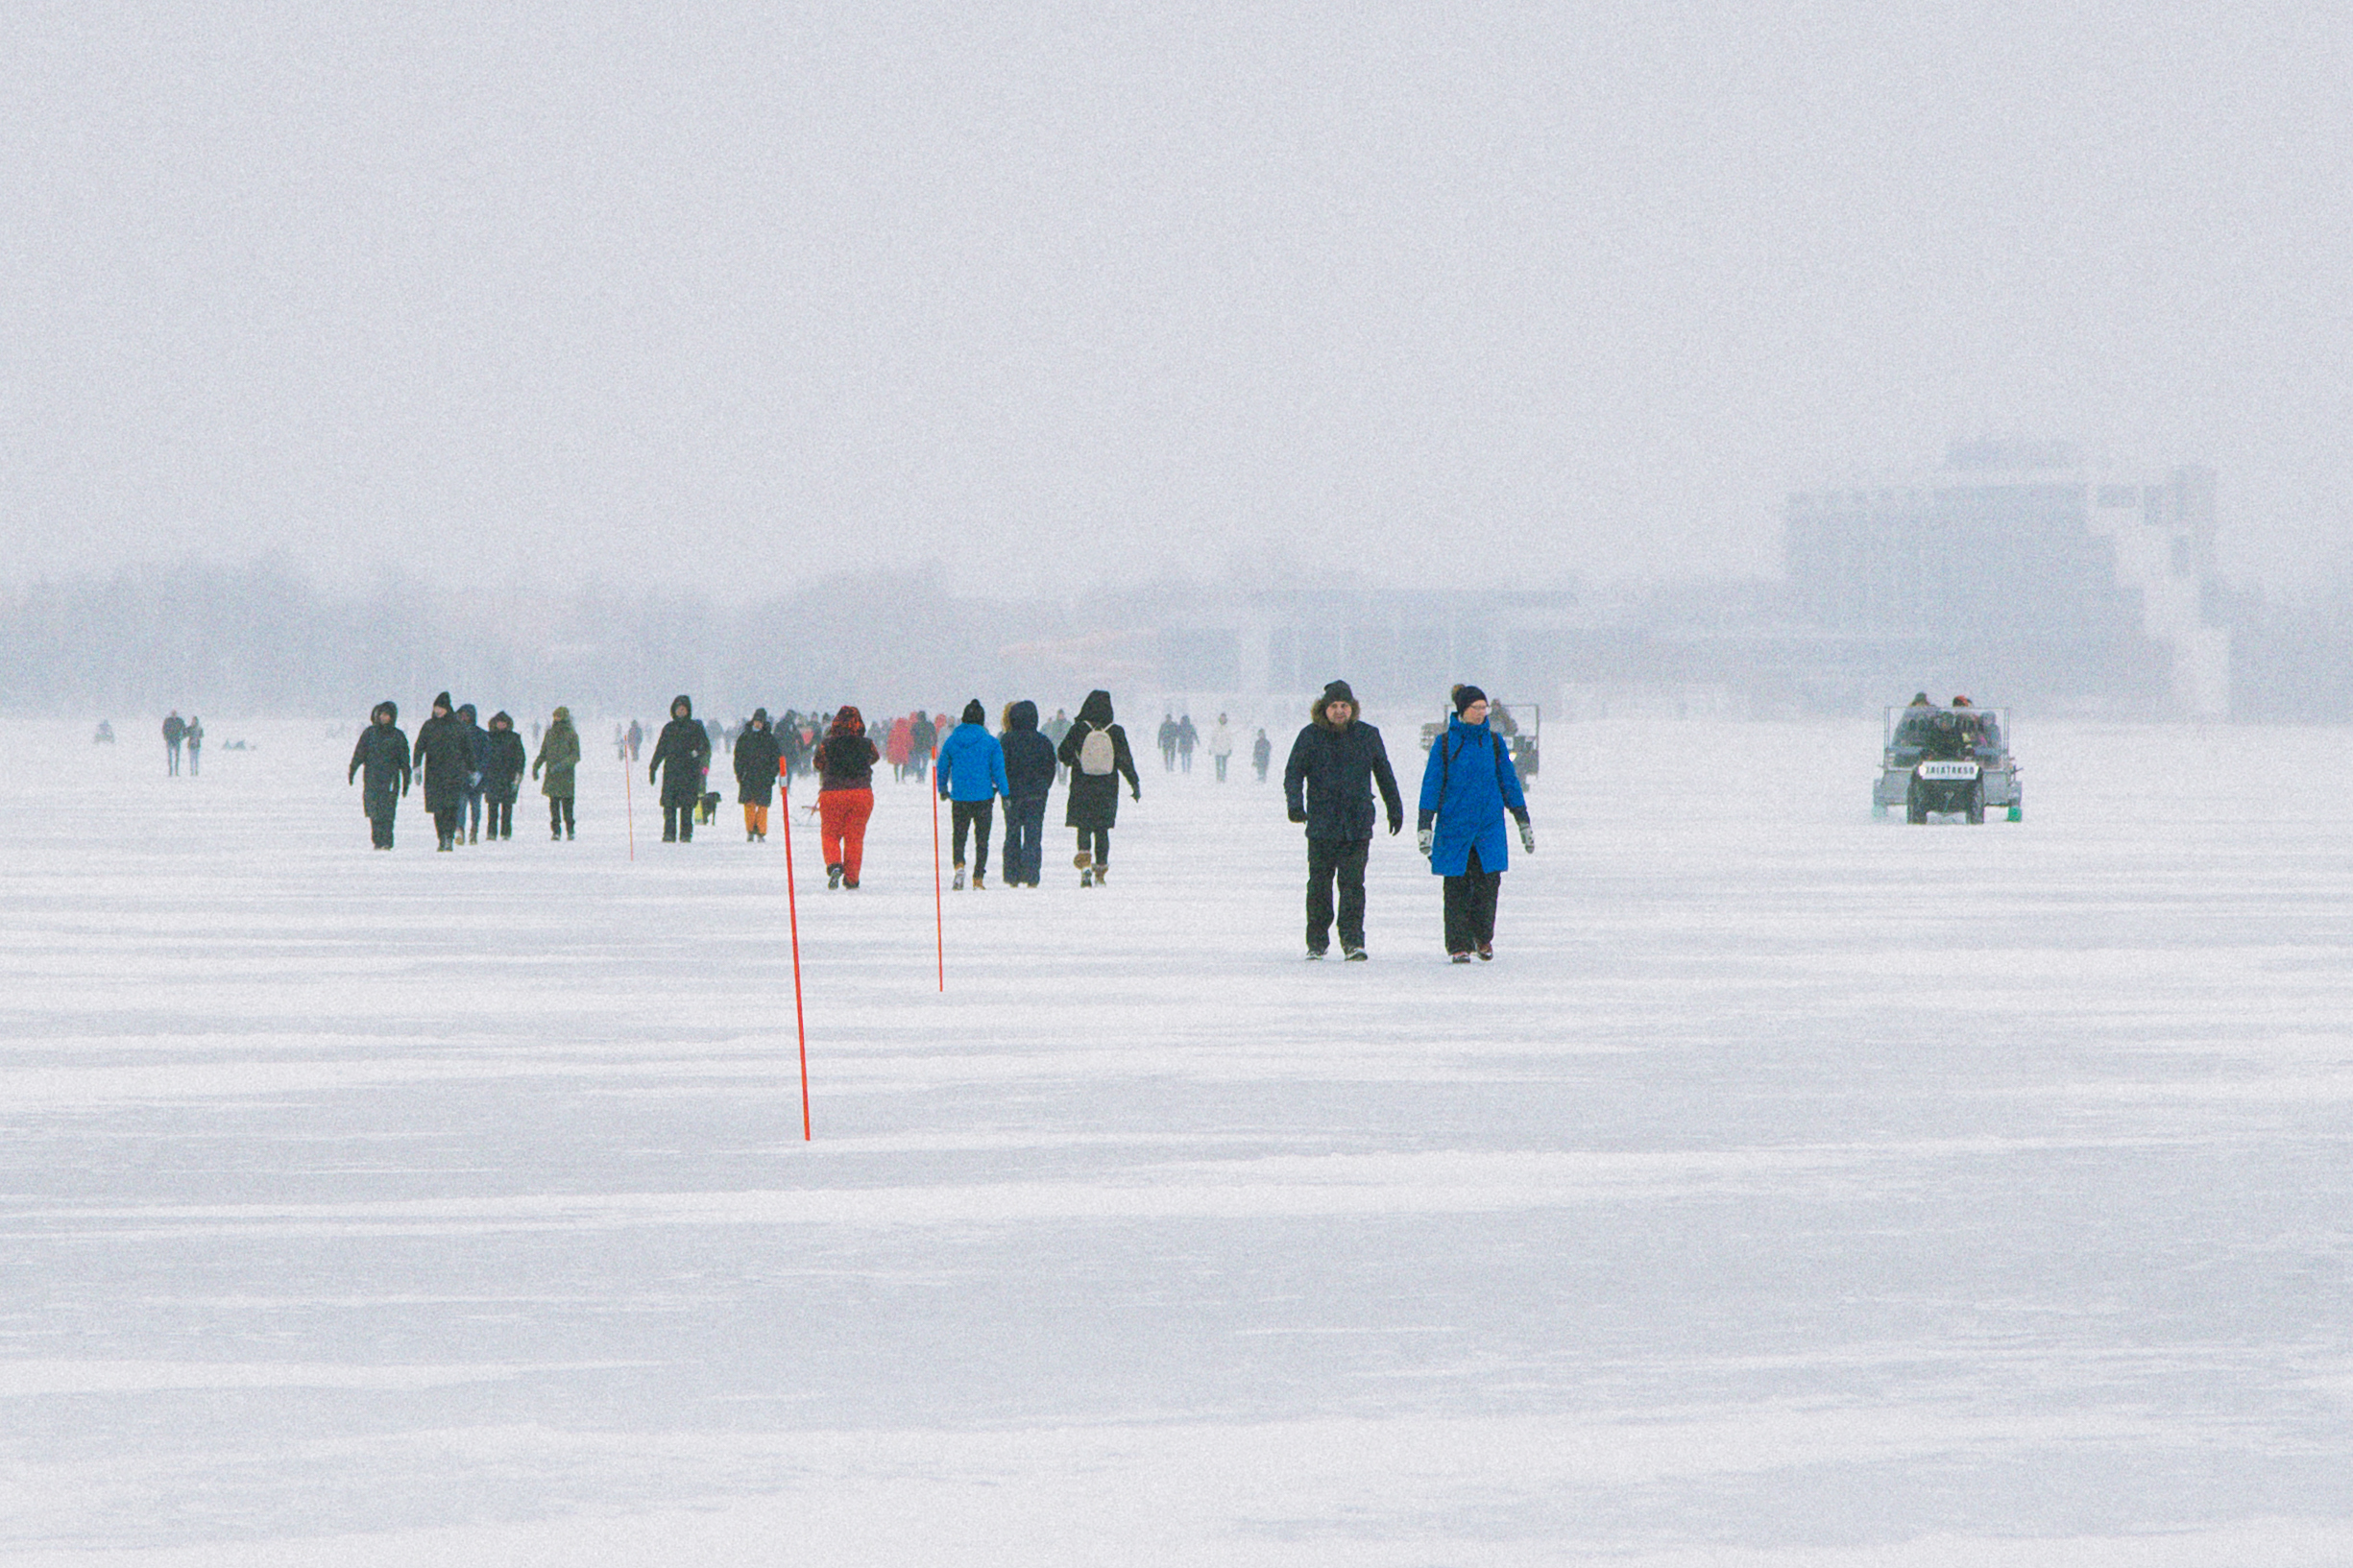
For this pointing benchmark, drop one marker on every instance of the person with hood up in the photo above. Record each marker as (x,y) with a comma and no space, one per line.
(1335,765)
(559,753)
(445,758)
(502,769)
(477,754)
(1029,769)
(382,753)
(845,761)
(1466,787)
(1222,746)
(1262,754)
(971,776)
(680,755)
(1096,753)
(759,759)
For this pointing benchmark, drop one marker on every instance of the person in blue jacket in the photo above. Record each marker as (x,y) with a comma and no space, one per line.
(971,774)
(1029,767)
(1467,786)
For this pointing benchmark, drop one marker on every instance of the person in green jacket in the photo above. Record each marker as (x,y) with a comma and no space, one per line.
(559,752)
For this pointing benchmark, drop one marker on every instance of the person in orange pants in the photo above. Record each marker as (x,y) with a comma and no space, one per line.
(757,757)
(845,796)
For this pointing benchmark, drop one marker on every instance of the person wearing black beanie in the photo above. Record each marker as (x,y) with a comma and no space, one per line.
(971,776)
(1335,765)
(1468,786)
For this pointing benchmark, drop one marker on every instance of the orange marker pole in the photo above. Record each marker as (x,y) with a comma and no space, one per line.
(793,912)
(939,918)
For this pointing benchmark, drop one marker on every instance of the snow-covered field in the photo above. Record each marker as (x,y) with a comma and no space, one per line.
(1794,1188)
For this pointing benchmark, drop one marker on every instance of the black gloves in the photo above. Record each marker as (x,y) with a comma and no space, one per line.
(1297,815)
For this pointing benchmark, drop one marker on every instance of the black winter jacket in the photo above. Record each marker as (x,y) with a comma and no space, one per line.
(382,753)
(446,755)
(1094,797)
(1028,755)
(1331,778)
(757,755)
(680,757)
(504,764)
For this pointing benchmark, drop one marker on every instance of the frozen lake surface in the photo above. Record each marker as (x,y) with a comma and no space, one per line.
(1794,1188)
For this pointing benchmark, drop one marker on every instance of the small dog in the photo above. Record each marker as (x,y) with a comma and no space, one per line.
(707,809)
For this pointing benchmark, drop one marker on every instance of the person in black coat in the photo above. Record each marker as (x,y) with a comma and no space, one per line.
(382,753)
(503,766)
(445,754)
(1093,807)
(1335,765)
(679,759)
(1029,769)
(758,757)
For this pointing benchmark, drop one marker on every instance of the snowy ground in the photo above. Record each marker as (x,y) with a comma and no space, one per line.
(1793,1189)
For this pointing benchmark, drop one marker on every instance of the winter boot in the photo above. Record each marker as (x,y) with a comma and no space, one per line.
(833,876)
(1102,875)
(1354,956)
(979,878)
(1085,862)
(957,886)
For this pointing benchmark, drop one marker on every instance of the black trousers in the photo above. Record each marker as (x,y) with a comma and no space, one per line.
(1470,907)
(559,814)
(979,818)
(1340,860)
(1023,821)
(445,823)
(1096,841)
(677,823)
(501,817)
(380,824)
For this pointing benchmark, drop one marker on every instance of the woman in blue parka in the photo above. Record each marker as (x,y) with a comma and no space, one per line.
(1466,787)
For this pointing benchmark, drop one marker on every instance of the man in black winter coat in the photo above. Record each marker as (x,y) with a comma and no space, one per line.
(445,754)
(679,759)
(382,753)
(1029,767)
(503,766)
(1334,765)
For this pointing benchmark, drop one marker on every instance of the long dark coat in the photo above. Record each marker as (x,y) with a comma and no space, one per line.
(757,754)
(1093,797)
(382,755)
(444,754)
(503,764)
(680,757)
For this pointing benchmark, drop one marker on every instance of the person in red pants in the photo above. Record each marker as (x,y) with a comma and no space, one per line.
(845,796)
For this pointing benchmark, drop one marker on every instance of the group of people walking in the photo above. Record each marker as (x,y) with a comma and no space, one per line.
(465,768)
(1469,785)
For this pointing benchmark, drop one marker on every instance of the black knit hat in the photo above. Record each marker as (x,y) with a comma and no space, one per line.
(975,713)
(1465,696)
(1337,692)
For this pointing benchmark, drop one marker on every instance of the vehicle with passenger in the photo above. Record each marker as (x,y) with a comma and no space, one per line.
(1952,759)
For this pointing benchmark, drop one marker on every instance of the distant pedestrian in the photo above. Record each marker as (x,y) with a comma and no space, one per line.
(680,755)
(559,756)
(1335,765)
(845,796)
(502,770)
(194,735)
(1168,741)
(1222,746)
(1187,737)
(758,760)
(899,747)
(1468,786)
(173,728)
(1262,753)
(1054,729)
(1096,753)
(1030,770)
(923,737)
(382,755)
(637,738)
(478,759)
(971,776)
(446,760)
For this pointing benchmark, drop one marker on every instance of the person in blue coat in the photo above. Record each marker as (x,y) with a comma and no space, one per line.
(971,774)
(1029,769)
(1466,787)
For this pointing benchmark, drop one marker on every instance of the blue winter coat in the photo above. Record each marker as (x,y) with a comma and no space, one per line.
(971,764)
(1466,787)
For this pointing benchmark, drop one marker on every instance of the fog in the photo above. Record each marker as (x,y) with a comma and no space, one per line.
(730,301)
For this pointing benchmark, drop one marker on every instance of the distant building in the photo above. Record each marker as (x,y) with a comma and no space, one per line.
(2025,571)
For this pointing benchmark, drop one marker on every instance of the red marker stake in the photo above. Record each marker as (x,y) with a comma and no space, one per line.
(939,918)
(793,912)
(629,809)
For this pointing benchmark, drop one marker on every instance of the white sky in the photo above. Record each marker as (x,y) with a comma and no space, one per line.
(731,296)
